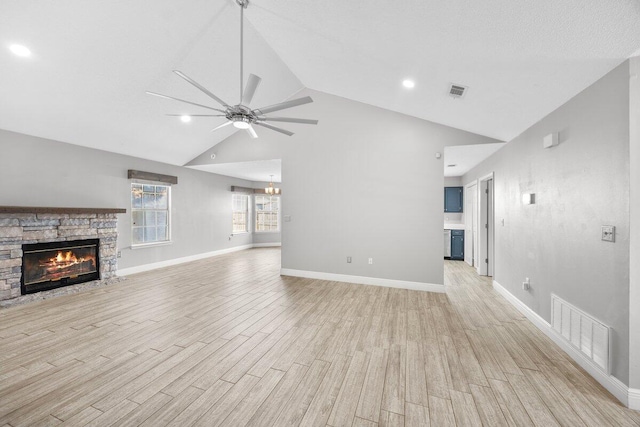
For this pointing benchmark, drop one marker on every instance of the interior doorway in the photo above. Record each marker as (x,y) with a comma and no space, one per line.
(476,219)
(486,236)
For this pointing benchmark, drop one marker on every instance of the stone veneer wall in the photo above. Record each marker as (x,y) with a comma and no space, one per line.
(19,228)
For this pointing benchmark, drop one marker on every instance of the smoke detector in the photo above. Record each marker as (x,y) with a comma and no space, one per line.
(457,91)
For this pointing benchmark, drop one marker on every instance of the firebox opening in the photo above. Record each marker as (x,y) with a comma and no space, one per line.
(52,265)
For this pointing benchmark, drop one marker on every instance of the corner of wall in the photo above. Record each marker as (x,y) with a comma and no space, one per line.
(634,228)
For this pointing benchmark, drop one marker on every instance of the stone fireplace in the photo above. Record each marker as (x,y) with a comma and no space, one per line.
(46,248)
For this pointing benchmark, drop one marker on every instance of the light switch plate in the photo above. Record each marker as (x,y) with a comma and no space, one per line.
(608,233)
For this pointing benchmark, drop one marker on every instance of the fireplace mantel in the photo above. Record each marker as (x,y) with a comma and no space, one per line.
(59,210)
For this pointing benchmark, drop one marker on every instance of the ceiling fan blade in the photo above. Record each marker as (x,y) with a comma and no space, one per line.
(286,132)
(199,86)
(182,100)
(250,89)
(227,123)
(284,105)
(196,115)
(290,120)
(251,131)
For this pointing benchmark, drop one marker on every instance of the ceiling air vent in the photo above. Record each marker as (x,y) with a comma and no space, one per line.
(457,91)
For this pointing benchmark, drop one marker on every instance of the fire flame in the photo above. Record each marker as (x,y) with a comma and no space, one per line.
(65,259)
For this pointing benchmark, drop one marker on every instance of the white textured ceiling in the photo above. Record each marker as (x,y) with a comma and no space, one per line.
(520,59)
(460,159)
(94,59)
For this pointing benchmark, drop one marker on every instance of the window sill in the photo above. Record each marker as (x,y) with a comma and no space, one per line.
(151,245)
(267,232)
(240,233)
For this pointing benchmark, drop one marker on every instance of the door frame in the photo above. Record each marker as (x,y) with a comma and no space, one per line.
(471,223)
(486,218)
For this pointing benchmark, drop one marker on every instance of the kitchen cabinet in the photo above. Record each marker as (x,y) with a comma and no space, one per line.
(457,244)
(453,199)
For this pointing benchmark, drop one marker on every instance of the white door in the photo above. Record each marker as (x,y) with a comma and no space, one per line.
(490,227)
(486,227)
(470,221)
(482,242)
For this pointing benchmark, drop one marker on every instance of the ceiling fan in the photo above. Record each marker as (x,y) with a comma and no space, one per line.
(241,115)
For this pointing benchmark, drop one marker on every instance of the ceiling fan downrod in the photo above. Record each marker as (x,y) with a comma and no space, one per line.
(243,5)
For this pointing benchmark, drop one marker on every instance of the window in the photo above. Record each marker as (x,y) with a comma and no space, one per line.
(150,207)
(240,206)
(267,208)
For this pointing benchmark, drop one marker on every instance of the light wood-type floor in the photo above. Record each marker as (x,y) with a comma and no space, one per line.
(227,341)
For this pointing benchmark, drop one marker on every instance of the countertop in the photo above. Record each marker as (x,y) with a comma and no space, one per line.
(453,226)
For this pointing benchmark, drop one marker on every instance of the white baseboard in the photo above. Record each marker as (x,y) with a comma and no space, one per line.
(267,245)
(611,383)
(176,261)
(634,399)
(361,280)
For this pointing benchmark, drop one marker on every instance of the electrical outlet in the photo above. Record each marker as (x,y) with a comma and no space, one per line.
(608,233)
(119,254)
(348,260)
(526,285)
(370,261)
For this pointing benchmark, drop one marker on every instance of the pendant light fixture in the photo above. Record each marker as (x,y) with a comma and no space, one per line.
(271,190)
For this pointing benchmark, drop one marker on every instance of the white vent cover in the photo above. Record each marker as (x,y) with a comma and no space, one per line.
(582,331)
(457,91)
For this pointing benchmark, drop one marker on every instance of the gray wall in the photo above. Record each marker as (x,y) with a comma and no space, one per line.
(580,185)
(452,181)
(40,172)
(634,252)
(365,183)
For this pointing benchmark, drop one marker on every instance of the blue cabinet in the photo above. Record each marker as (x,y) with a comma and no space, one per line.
(453,199)
(457,244)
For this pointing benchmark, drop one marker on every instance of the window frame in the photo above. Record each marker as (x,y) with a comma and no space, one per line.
(248,213)
(168,240)
(278,218)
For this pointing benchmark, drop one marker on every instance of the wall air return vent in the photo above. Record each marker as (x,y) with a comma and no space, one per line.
(457,91)
(584,332)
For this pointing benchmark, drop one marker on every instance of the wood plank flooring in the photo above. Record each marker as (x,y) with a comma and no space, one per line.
(227,341)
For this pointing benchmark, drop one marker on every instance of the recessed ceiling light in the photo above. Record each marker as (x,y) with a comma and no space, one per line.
(185,119)
(409,84)
(20,50)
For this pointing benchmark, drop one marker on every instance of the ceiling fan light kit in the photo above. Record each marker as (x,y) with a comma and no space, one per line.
(241,115)
(241,123)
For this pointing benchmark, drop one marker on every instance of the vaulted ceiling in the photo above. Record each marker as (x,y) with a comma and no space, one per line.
(93,61)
